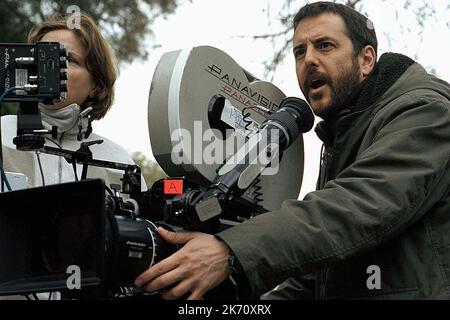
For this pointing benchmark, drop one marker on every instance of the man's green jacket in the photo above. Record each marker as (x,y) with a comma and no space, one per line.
(378,227)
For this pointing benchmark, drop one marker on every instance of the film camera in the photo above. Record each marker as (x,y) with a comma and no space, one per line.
(111,238)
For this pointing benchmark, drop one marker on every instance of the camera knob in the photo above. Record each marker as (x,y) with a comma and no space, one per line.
(63,87)
(63,74)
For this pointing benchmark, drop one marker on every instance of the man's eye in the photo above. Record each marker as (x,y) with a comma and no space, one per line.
(299,53)
(326,45)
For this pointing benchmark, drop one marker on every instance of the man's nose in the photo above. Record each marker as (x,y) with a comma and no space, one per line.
(311,58)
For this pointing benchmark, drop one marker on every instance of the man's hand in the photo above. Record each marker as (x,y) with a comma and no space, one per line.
(200,265)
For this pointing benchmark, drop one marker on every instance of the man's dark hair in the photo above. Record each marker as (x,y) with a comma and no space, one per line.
(360,29)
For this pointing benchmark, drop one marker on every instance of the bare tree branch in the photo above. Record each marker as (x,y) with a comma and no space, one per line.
(269,35)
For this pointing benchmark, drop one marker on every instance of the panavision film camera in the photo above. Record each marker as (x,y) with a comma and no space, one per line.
(230,144)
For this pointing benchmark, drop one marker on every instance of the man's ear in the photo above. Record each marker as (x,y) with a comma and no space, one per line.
(367,60)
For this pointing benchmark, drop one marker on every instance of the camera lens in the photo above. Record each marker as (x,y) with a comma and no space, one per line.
(139,247)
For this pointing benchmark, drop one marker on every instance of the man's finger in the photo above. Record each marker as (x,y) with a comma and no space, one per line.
(165,280)
(158,269)
(178,291)
(175,237)
(197,294)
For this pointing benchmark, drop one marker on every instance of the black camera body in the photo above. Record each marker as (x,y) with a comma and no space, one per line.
(29,74)
(74,225)
(111,239)
(39,68)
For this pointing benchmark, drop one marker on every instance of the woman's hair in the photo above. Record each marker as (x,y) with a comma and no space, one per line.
(100,61)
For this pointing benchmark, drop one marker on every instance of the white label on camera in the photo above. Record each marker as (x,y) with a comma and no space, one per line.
(21,79)
(135,254)
(235,119)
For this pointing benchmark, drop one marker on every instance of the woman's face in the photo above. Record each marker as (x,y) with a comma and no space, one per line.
(80,81)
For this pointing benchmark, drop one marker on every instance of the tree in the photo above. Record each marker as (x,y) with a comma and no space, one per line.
(150,169)
(124,23)
(281,39)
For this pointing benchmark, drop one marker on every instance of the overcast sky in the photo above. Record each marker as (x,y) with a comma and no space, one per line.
(219,23)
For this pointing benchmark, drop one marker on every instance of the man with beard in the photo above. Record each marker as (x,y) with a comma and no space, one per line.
(378,224)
